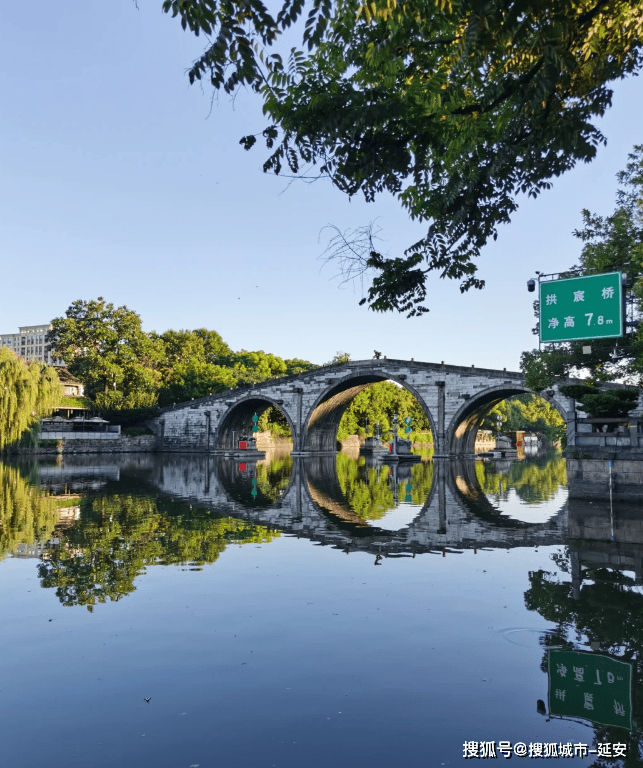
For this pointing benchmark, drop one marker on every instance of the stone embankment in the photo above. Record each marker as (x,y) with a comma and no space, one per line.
(124,444)
(590,479)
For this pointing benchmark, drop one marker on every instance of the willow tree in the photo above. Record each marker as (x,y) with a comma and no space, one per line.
(28,391)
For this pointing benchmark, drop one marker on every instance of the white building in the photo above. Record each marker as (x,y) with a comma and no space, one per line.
(30,343)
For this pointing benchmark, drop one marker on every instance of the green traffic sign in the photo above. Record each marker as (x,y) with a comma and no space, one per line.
(254,480)
(592,686)
(408,420)
(408,498)
(408,430)
(581,308)
(255,428)
(408,487)
(253,492)
(255,418)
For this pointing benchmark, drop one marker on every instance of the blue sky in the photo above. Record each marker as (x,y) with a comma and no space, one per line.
(118,180)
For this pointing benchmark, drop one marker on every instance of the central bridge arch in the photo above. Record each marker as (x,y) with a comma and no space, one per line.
(323,418)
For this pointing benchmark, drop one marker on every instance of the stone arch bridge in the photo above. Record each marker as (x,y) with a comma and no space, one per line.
(454,398)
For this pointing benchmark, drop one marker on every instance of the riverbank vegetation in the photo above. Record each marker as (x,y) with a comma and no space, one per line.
(528,413)
(28,391)
(127,370)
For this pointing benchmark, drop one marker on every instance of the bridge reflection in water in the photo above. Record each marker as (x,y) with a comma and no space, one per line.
(354,505)
(145,510)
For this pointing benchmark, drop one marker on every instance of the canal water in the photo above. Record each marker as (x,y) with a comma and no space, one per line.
(173,611)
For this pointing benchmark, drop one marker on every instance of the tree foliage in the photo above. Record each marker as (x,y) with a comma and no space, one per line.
(28,391)
(377,404)
(610,244)
(128,370)
(527,412)
(455,107)
(106,348)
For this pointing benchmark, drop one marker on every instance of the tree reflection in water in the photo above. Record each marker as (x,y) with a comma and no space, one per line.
(273,477)
(370,491)
(118,535)
(27,516)
(606,616)
(533,481)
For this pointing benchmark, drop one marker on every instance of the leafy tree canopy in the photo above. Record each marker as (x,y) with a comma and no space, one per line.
(527,412)
(106,348)
(453,106)
(128,370)
(610,244)
(378,404)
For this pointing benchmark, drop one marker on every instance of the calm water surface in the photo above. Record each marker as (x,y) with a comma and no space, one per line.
(331,613)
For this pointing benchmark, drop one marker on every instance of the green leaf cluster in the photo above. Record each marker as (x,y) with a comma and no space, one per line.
(529,413)
(453,106)
(128,370)
(611,403)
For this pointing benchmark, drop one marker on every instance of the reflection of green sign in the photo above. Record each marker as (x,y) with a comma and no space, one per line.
(581,308)
(598,688)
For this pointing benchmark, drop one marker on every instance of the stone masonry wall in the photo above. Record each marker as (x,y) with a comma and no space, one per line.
(140,444)
(589,479)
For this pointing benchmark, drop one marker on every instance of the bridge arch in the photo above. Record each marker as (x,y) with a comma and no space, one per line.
(323,417)
(237,420)
(461,433)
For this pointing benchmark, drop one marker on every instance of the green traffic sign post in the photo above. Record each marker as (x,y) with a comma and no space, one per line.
(590,686)
(579,308)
